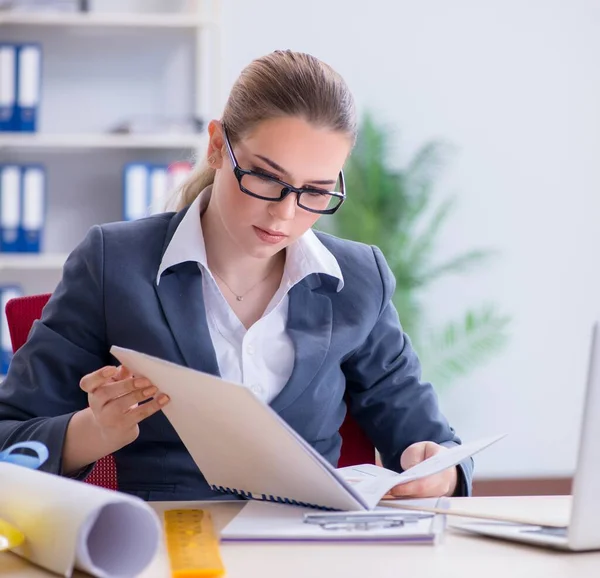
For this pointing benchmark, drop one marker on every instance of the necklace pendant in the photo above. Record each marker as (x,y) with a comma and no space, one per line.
(239,297)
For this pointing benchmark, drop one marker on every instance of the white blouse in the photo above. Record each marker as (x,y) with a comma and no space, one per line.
(262,357)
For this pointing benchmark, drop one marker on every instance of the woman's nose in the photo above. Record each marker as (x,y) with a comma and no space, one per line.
(286,209)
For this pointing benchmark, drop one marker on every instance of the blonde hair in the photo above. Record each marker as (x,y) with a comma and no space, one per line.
(282,83)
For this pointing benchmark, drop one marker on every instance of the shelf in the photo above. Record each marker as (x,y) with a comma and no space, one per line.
(104,20)
(99,141)
(31,261)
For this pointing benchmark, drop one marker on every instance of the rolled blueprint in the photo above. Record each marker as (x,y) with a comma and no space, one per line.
(70,524)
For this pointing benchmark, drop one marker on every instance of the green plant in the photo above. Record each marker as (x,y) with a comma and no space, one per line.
(395,209)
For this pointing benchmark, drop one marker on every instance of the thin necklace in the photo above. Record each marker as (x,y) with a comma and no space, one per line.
(241,297)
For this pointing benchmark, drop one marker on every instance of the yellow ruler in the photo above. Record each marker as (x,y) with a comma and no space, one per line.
(10,537)
(192,544)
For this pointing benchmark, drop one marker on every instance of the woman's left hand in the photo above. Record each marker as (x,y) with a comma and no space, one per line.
(442,484)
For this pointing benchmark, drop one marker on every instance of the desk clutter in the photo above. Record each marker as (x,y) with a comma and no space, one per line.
(61,524)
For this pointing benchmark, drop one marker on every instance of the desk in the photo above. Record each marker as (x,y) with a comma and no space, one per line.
(459,555)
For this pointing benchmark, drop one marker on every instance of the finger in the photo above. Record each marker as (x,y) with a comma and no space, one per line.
(418,452)
(114,410)
(141,412)
(90,382)
(412,456)
(123,372)
(114,390)
(429,487)
(431,449)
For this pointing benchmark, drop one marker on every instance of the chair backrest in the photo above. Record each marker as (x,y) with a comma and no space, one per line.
(356,446)
(21,312)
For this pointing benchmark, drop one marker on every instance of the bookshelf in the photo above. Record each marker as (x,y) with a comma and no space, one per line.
(108,21)
(76,141)
(16,262)
(122,60)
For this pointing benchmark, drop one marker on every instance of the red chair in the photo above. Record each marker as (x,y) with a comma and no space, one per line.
(20,315)
(356,446)
(23,311)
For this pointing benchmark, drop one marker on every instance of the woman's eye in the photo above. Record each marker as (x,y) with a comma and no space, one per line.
(262,173)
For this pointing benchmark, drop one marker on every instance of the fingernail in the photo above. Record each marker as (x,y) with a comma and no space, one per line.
(141,382)
(109,371)
(163,399)
(150,391)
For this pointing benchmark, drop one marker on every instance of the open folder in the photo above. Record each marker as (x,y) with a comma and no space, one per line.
(243,447)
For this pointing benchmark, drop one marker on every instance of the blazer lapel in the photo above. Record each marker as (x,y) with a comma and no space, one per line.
(182,301)
(309,327)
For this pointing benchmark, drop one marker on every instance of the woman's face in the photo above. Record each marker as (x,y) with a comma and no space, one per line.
(289,149)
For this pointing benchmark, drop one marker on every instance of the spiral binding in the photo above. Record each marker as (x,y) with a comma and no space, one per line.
(266,497)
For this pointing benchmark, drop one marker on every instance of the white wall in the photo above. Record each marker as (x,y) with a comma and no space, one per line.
(515,86)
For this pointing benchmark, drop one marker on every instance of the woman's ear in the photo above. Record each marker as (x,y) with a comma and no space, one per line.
(216,143)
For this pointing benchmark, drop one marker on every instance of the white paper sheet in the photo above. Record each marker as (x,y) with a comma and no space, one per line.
(373,482)
(71,524)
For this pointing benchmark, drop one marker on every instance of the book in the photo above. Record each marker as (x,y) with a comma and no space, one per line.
(243,447)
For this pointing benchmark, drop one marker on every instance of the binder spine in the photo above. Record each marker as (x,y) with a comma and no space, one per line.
(266,498)
(10,208)
(8,87)
(136,191)
(29,67)
(33,208)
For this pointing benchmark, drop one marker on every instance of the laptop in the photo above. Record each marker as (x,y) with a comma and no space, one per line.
(583,531)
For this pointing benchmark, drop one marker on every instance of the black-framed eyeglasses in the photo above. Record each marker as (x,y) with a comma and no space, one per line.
(268,188)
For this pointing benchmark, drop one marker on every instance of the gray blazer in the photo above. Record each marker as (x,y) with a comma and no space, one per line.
(349,342)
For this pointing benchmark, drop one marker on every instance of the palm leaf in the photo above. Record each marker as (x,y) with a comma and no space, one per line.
(460,346)
(461,264)
(421,174)
(421,248)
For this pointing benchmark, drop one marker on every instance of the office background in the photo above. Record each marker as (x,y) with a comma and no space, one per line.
(514,87)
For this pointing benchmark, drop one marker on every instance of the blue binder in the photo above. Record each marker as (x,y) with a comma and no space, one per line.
(158,188)
(8,87)
(29,79)
(136,182)
(10,207)
(33,208)
(145,188)
(7,292)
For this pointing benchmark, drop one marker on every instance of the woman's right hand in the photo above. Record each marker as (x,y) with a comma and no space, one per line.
(114,397)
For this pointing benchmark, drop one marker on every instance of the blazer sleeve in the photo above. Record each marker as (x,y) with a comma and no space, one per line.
(385,392)
(41,391)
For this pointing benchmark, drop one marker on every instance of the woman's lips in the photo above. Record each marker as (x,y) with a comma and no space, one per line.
(268,236)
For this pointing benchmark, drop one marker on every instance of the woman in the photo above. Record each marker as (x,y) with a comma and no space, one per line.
(234,283)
